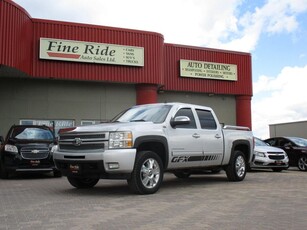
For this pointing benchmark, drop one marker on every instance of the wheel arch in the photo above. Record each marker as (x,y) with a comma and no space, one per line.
(243,146)
(157,144)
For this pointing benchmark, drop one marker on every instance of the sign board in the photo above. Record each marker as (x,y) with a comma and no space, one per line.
(208,70)
(77,51)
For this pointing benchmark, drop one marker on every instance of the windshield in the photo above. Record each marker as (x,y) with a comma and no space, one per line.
(152,113)
(259,142)
(26,133)
(299,141)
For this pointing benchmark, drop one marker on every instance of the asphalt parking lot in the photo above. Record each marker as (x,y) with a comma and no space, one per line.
(264,200)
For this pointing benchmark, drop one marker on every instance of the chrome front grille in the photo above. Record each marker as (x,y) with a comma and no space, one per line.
(276,156)
(34,152)
(82,141)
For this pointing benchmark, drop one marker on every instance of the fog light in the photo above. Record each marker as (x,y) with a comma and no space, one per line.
(113,165)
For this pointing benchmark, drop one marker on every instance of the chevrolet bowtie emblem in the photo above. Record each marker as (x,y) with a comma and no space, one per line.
(77,141)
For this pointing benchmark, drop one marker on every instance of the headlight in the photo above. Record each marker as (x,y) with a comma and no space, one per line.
(53,149)
(120,140)
(259,154)
(11,148)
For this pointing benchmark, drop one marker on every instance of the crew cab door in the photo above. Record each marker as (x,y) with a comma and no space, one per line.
(211,138)
(184,142)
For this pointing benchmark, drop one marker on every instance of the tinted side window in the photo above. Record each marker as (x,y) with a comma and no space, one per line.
(284,142)
(206,119)
(186,112)
(271,142)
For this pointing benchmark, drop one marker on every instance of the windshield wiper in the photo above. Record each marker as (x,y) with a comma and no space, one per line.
(137,120)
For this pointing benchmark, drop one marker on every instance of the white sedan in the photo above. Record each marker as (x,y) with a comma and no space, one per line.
(266,156)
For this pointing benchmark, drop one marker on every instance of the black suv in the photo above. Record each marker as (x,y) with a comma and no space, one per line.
(27,148)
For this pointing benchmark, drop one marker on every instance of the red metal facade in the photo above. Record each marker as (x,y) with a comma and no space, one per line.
(173,81)
(152,43)
(15,37)
(19,49)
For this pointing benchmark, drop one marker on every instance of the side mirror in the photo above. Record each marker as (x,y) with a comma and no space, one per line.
(180,120)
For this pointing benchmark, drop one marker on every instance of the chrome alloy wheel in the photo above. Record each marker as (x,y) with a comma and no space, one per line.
(240,166)
(150,173)
(302,163)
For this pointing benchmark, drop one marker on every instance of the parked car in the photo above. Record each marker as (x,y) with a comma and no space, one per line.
(295,147)
(266,156)
(143,142)
(27,148)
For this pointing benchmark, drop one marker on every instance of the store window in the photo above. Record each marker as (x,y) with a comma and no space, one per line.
(54,124)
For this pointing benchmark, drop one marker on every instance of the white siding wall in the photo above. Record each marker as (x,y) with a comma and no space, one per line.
(292,129)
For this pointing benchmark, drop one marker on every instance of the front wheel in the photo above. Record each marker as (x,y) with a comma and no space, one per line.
(82,182)
(302,163)
(236,170)
(147,174)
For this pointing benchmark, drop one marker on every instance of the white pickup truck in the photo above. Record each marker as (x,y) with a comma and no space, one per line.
(143,142)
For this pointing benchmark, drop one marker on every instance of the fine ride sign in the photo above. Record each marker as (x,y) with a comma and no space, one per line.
(77,51)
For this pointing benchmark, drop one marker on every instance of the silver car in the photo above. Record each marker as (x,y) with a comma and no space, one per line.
(266,156)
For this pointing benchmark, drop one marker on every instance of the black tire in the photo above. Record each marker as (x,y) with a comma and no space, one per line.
(182,174)
(4,174)
(147,174)
(302,163)
(236,170)
(277,169)
(82,182)
(248,168)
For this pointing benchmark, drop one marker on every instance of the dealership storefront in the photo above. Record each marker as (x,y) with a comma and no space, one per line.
(66,74)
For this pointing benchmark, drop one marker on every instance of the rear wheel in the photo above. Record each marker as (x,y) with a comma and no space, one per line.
(147,174)
(236,170)
(302,163)
(82,182)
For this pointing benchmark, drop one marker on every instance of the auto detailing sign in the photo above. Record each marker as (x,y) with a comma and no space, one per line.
(208,70)
(77,51)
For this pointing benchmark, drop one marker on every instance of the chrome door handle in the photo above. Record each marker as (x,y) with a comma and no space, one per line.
(217,136)
(195,135)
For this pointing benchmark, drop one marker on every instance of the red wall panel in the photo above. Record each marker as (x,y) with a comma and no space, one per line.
(15,37)
(149,73)
(173,81)
(19,49)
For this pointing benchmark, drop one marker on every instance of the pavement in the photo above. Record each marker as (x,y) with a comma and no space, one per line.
(264,200)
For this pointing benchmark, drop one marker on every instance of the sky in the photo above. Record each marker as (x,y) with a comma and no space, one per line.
(273,31)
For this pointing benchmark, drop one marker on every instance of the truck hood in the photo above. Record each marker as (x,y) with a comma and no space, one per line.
(116,126)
